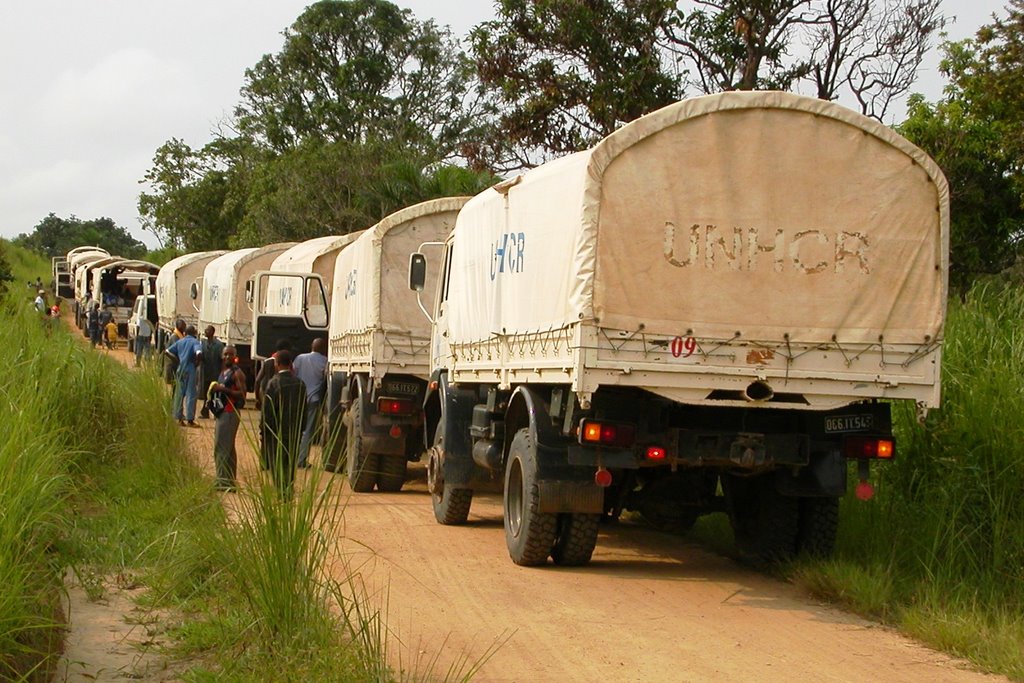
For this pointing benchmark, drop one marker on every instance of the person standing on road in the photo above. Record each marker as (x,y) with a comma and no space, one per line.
(283,409)
(187,351)
(263,377)
(110,335)
(92,324)
(231,383)
(311,368)
(213,352)
(143,339)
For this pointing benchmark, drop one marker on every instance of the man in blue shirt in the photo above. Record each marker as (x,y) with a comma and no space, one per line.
(311,368)
(188,352)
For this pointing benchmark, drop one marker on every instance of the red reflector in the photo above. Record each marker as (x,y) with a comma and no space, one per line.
(603,478)
(396,432)
(868,447)
(394,406)
(655,453)
(865,491)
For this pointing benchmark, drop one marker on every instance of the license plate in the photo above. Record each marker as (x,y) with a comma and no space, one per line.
(408,388)
(849,423)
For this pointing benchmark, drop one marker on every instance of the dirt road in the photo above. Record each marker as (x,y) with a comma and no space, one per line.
(649,607)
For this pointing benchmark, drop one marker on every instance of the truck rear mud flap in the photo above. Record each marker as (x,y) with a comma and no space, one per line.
(570,496)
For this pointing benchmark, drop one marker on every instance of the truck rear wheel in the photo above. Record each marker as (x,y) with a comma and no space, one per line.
(819,520)
(451,506)
(392,473)
(764,522)
(529,534)
(362,466)
(575,539)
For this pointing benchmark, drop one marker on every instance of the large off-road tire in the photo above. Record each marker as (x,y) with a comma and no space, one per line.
(362,465)
(451,505)
(529,534)
(392,473)
(575,539)
(764,522)
(674,502)
(819,520)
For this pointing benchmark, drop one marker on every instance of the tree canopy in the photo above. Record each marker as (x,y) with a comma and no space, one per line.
(975,133)
(566,73)
(55,236)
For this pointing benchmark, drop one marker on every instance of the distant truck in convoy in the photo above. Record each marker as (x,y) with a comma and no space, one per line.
(710,310)
(226,297)
(117,283)
(292,300)
(179,292)
(379,348)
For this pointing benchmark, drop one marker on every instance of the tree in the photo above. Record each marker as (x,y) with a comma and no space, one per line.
(358,70)
(54,236)
(194,202)
(340,187)
(568,73)
(970,135)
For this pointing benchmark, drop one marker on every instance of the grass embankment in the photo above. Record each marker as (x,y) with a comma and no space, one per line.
(940,550)
(93,476)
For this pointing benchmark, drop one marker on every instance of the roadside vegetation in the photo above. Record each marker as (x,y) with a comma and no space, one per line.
(95,484)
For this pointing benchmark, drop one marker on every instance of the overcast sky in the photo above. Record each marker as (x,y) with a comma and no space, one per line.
(90,88)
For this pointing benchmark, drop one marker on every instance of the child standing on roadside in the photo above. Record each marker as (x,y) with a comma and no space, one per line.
(110,335)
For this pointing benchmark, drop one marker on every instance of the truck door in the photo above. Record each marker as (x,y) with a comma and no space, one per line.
(440,348)
(290,306)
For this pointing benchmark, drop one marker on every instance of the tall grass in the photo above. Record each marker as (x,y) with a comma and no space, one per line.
(940,549)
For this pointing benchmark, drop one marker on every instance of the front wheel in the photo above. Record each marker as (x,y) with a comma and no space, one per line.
(529,533)
(362,466)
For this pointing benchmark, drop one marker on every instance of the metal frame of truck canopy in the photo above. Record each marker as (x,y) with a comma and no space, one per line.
(293,298)
(822,283)
(174,285)
(121,270)
(225,280)
(83,275)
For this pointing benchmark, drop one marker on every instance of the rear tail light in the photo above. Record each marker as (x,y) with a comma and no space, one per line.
(869,447)
(655,453)
(601,433)
(394,406)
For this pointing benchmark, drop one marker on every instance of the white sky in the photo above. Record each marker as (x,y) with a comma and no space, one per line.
(90,88)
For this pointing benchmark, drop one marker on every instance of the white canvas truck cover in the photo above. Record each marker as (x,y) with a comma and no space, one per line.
(224,280)
(371,291)
(317,255)
(77,263)
(765,217)
(174,283)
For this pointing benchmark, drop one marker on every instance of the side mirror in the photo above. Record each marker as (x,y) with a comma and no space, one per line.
(193,291)
(417,271)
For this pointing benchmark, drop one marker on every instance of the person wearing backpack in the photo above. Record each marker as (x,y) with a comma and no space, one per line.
(231,385)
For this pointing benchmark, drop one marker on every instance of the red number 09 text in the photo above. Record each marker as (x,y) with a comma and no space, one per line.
(683,347)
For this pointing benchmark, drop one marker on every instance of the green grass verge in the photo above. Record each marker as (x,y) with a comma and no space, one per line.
(94,476)
(940,550)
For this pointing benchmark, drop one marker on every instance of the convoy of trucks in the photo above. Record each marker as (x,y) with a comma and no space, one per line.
(712,309)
